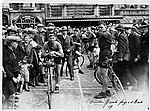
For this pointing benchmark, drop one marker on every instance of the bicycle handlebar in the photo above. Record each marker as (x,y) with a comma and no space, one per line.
(108,61)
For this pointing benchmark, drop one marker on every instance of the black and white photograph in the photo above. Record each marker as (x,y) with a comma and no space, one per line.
(75,56)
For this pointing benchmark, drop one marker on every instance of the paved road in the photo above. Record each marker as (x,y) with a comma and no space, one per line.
(78,95)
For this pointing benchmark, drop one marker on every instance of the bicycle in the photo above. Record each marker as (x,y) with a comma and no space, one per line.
(115,82)
(50,70)
(78,58)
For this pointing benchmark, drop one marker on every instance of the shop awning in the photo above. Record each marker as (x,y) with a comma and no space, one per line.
(110,18)
(129,19)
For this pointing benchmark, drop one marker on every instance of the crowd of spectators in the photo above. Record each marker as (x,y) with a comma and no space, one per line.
(22,48)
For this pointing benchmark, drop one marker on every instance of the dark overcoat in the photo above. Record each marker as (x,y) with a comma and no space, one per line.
(11,67)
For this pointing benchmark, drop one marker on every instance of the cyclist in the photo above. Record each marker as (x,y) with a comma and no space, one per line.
(54,48)
(105,41)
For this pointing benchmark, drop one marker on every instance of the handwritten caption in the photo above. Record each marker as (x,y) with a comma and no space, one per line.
(109,103)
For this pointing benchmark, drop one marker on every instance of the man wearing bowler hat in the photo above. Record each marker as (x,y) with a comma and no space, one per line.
(144,42)
(66,42)
(124,58)
(144,55)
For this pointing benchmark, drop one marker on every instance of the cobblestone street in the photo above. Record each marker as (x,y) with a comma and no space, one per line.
(71,97)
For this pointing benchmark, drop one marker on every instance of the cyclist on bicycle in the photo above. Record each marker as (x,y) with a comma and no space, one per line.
(105,41)
(54,49)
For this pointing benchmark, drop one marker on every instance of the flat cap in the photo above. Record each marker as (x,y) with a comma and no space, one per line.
(120,27)
(13,38)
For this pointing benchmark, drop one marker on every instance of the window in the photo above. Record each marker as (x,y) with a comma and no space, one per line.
(80,10)
(54,10)
(105,10)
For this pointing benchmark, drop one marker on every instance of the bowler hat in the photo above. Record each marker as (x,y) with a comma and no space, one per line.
(50,24)
(9,29)
(13,38)
(40,25)
(120,27)
(50,27)
(28,31)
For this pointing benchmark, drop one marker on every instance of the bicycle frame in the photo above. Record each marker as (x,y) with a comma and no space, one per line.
(114,78)
(50,67)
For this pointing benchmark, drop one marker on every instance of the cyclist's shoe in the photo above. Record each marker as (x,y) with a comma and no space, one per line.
(100,95)
(90,66)
(80,71)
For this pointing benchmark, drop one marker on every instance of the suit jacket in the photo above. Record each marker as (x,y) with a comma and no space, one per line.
(134,46)
(66,43)
(144,47)
(123,47)
(21,51)
(39,39)
(10,62)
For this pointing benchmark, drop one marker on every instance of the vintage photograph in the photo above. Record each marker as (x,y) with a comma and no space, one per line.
(75,56)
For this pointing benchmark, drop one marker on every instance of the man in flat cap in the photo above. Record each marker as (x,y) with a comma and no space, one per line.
(11,67)
(37,37)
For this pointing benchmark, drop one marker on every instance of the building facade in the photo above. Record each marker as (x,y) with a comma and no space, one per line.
(80,14)
(132,13)
(30,14)
(26,14)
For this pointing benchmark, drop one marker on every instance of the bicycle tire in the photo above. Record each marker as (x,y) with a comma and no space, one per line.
(82,62)
(117,84)
(97,77)
(51,85)
(48,91)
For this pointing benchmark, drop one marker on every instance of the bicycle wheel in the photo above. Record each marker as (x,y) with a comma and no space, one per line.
(97,76)
(49,93)
(51,85)
(81,60)
(117,84)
